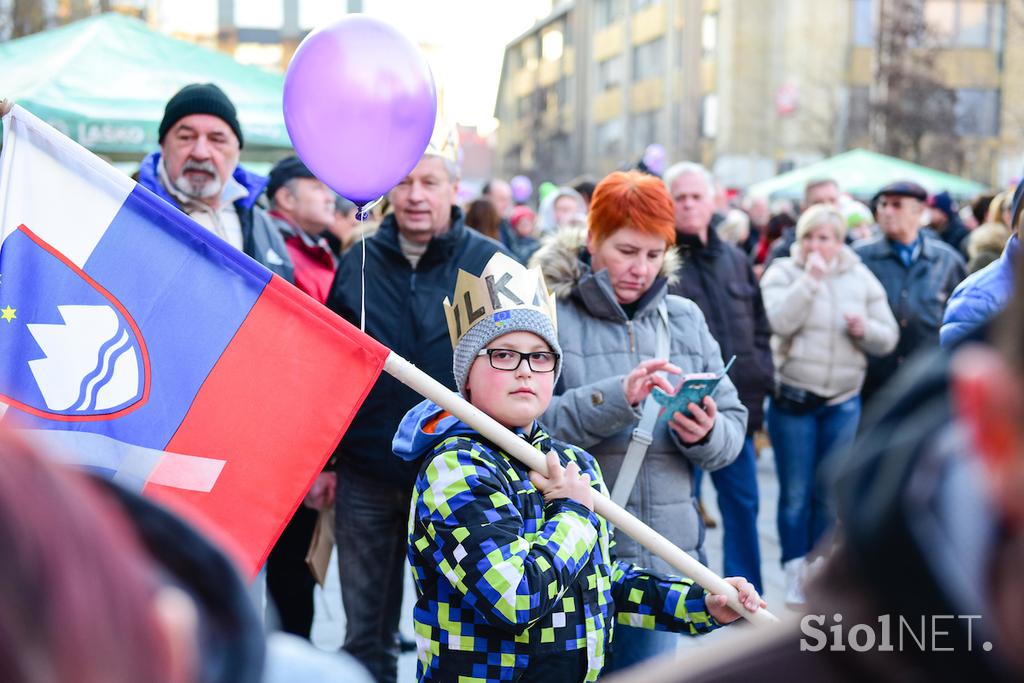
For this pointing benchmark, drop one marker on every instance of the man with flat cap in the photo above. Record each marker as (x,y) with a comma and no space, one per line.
(917,271)
(197,171)
(302,208)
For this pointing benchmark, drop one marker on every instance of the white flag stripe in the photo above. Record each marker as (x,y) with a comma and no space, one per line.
(85,181)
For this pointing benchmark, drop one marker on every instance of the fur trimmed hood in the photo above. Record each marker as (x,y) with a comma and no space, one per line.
(559,259)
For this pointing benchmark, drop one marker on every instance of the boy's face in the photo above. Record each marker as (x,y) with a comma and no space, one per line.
(515,398)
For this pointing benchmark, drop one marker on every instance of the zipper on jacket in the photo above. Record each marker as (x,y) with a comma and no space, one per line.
(629,328)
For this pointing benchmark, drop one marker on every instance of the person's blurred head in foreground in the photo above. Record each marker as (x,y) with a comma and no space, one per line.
(81,601)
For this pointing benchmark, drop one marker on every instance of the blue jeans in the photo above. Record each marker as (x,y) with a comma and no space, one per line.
(632,645)
(736,485)
(371,529)
(802,444)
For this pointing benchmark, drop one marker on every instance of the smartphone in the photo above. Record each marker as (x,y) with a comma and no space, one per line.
(692,388)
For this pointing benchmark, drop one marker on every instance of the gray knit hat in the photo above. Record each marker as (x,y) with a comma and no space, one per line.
(495,325)
(505,297)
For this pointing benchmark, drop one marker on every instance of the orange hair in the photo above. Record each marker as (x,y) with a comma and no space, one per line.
(634,199)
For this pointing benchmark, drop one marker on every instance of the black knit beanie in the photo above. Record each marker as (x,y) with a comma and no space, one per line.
(200,98)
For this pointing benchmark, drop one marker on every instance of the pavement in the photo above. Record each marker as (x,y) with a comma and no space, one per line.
(329,620)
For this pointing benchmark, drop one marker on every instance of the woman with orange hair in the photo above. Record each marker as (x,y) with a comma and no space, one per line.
(621,333)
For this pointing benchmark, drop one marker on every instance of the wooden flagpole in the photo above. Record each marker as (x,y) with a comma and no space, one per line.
(410,375)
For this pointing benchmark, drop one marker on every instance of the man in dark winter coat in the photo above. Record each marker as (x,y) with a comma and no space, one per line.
(946,222)
(918,272)
(412,263)
(718,278)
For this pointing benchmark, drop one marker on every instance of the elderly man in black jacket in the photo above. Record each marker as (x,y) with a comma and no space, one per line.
(411,266)
(918,271)
(717,276)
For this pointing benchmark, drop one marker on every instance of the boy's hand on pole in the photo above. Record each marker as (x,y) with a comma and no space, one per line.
(749,598)
(564,482)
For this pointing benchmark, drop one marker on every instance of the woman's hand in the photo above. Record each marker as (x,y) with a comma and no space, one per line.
(749,598)
(854,325)
(564,483)
(690,430)
(816,265)
(638,383)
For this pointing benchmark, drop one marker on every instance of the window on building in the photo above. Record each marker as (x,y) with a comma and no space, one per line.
(859,112)
(864,19)
(709,116)
(965,23)
(608,138)
(973,22)
(524,107)
(644,132)
(564,90)
(940,17)
(709,35)
(977,112)
(551,45)
(530,53)
(609,73)
(270,15)
(607,12)
(649,59)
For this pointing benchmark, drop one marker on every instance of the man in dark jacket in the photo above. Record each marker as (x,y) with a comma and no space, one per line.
(718,278)
(411,265)
(918,273)
(946,222)
(197,171)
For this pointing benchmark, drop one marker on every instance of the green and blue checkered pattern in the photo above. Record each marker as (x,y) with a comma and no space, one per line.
(504,579)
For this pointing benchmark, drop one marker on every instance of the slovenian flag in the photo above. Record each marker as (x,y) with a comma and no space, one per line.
(136,343)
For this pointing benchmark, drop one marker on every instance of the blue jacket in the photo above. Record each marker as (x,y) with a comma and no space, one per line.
(980,296)
(261,239)
(505,582)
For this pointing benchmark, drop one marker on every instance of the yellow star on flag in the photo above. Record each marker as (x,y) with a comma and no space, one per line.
(7,313)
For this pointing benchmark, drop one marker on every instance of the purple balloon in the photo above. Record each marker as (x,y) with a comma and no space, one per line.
(654,158)
(522,188)
(359,104)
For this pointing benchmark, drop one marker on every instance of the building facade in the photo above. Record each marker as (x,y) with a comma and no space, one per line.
(752,89)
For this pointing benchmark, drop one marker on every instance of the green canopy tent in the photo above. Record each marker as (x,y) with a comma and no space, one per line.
(104,81)
(862,173)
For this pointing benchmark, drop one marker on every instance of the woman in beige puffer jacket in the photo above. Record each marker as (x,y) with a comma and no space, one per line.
(827,311)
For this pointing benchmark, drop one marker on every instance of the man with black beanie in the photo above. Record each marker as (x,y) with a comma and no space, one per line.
(197,170)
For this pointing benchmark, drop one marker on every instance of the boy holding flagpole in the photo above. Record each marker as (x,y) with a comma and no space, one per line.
(515,578)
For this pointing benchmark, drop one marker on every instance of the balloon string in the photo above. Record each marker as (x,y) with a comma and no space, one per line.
(363,272)
(362,213)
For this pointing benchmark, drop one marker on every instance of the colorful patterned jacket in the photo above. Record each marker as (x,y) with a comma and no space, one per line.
(503,579)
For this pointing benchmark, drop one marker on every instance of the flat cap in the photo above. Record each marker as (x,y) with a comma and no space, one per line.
(904,188)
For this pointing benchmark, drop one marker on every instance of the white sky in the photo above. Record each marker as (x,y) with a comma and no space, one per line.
(466,38)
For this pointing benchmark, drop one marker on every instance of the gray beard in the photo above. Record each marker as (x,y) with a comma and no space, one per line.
(203,190)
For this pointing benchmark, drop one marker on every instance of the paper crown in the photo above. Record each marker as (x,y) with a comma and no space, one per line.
(444,141)
(504,285)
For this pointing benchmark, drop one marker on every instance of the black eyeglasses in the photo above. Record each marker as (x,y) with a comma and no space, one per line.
(509,360)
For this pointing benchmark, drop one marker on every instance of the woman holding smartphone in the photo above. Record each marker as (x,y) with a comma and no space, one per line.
(827,312)
(614,316)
